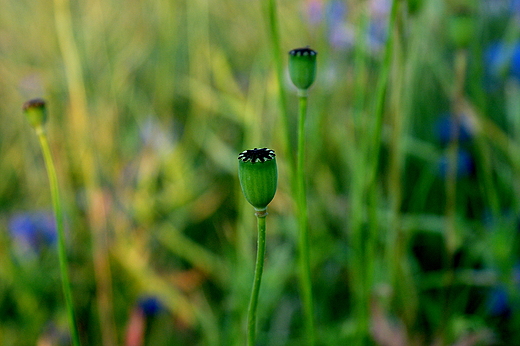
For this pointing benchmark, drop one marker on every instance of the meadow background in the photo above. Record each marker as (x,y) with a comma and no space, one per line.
(413,167)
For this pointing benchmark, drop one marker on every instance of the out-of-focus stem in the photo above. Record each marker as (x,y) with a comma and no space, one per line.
(58,215)
(301,203)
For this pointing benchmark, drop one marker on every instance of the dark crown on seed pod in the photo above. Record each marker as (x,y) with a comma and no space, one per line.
(303,52)
(36,112)
(256,155)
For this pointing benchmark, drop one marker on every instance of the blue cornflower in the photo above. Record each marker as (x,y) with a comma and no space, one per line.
(449,128)
(465,164)
(315,11)
(33,230)
(150,305)
(514,7)
(499,300)
(377,34)
(336,12)
(502,60)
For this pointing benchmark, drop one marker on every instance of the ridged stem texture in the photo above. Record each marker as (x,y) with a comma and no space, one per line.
(259,268)
(58,215)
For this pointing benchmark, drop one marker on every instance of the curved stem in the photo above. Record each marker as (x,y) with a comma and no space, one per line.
(58,215)
(259,267)
(301,201)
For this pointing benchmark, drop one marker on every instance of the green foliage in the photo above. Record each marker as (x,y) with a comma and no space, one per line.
(150,103)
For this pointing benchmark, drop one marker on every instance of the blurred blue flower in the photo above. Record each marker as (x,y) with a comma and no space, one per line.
(336,12)
(499,302)
(34,230)
(495,8)
(380,8)
(315,11)
(339,32)
(449,128)
(502,60)
(54,335)
(514,7)
(150,305)
(500,8)
(465,164)
(377,34)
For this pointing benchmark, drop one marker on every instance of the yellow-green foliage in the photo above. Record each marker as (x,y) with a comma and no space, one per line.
(149,104)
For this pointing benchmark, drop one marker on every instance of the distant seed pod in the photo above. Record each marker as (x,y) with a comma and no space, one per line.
(302,67)
(36,112)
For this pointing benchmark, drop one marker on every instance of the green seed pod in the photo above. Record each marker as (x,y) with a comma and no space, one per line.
(414,6)
(302,67)
(462,30)
(462,22)
(36,112)
(258,176)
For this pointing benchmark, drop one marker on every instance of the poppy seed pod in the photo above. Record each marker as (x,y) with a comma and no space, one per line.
(302,67)
(462,22)
(462,28)
(258,176)
(36,112)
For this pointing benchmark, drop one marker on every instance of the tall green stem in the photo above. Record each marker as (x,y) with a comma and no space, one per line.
(301,202)
(274,38)
(259,268)
(58,215)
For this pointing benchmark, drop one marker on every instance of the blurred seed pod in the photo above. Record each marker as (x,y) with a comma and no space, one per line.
(302,67)
(36,112)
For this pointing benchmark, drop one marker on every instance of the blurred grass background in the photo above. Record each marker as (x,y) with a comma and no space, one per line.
(413,171)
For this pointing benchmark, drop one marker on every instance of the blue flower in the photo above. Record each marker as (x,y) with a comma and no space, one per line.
(150,305)
(502,60)
(336,12)
(377,34)
(33,231)
(514,7)
(465,164)
(315,11)
(449,128)
(499,301)
(339,31)
(501,8)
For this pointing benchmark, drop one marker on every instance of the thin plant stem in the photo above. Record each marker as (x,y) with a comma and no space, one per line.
(274,38)
(301,202)
(58,215)
(259,267)
(80,126)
